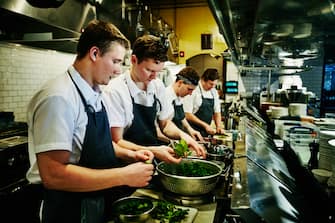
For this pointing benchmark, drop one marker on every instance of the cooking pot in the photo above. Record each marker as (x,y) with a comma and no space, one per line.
(180,182)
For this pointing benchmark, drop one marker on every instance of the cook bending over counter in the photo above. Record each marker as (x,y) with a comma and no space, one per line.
(203,105)
(138,99)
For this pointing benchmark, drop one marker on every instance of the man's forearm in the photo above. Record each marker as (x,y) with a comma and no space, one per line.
(129,145)
(217,120)
(171,130)
(191,118)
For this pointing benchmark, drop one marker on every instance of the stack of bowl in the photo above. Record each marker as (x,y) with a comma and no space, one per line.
(327,153)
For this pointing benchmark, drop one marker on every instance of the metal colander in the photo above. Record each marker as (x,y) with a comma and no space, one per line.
(188,185)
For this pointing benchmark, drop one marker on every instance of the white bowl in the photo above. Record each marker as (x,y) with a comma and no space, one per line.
(322,175)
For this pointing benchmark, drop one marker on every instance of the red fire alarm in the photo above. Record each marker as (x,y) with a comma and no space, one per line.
(181,53)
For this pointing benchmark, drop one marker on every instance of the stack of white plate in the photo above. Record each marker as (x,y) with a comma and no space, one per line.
(277,112)
(327,150)
(297,109)
(325,123)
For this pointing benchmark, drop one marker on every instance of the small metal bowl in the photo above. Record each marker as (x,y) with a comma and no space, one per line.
(133,209)
(217,152)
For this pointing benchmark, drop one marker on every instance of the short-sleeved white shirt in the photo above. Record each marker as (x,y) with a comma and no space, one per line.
(118,91)
(57,119)
(192,103)
(170,97)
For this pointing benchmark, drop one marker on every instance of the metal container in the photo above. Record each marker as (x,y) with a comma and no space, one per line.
(218,152)
(122,208)
(189,185)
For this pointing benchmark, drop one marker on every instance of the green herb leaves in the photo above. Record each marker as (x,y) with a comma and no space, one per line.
(168,213)
(181,148)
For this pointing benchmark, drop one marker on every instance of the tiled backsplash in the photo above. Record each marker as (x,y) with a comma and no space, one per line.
(23,70)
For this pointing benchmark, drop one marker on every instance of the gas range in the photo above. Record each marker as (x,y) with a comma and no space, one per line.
(14,158)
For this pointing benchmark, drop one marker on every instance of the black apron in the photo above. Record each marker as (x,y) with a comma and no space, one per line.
(205,113)
(179,115)
(98,153)
(143,129)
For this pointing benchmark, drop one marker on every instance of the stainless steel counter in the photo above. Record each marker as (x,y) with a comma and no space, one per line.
(270,184)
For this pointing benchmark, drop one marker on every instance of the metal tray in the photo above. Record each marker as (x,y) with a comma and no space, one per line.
(13,141)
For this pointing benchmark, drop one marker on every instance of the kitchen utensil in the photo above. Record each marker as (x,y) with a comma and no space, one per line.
(189,185)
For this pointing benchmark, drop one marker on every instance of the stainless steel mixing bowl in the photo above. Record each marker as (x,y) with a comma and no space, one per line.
(189,185)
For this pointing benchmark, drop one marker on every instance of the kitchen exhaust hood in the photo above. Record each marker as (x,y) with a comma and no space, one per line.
(48,24)
(56,24)
(275,34)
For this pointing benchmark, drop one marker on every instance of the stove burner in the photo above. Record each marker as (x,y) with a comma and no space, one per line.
(188,200)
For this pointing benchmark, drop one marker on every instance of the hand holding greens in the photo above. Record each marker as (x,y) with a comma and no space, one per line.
(181,148)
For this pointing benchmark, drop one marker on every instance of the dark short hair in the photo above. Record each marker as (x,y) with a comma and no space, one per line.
(102,35)
(188,75)
(211,74)
(149,47)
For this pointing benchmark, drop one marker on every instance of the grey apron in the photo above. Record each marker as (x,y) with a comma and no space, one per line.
(98,153)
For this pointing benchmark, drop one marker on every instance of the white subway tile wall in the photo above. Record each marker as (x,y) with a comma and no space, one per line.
(23,70)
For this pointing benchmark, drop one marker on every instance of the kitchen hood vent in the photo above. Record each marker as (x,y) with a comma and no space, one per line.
(46,3)
(47,24)
(267,33)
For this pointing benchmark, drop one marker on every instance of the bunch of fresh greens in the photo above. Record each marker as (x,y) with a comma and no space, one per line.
(133,206)
(194,169)
(181,148)
(166,212)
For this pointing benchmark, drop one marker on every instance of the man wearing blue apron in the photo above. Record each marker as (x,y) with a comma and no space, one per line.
(70,146)
(203,105)
(186,81)
(139,103)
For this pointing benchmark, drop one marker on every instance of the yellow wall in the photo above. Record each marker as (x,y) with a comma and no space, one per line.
(189,24)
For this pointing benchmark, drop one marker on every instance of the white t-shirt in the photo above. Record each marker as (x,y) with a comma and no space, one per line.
(118,91)
(192,103)
(57,119)
(170,97)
